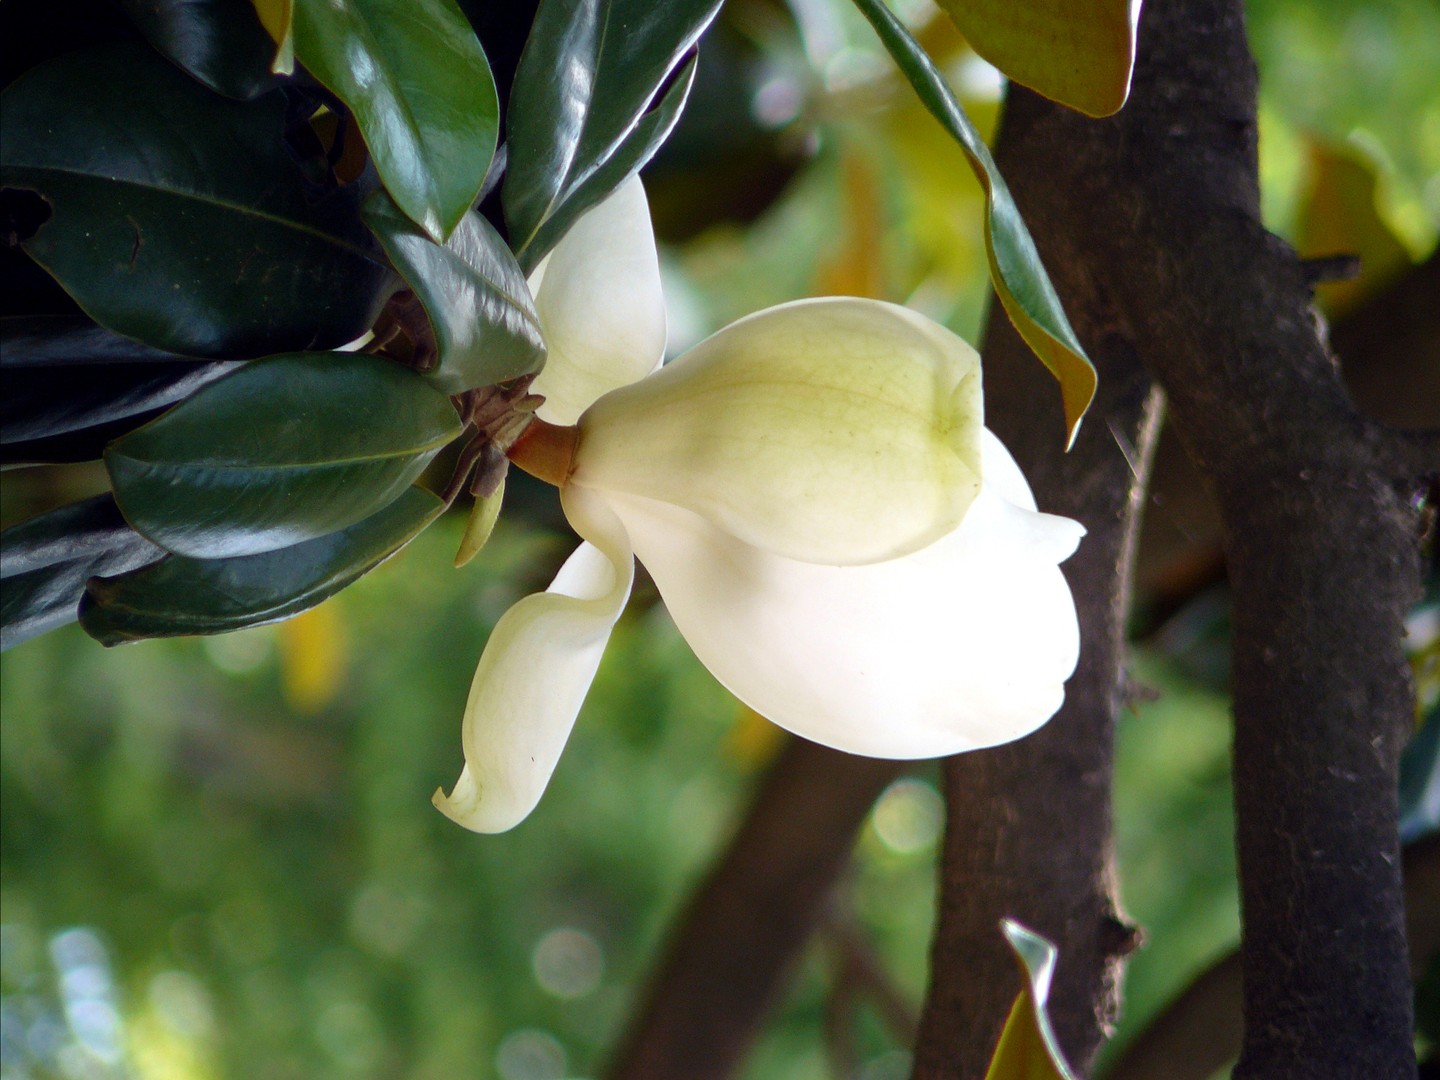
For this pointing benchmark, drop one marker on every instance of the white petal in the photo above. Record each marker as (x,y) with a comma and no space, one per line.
(964,644)
(838,431)
(534,674)
(600,305)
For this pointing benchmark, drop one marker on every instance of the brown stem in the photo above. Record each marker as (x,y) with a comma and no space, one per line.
(546,451)
(738,939)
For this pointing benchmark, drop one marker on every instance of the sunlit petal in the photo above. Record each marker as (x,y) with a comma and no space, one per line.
(600,305)
(964,644)
(534,674)
(838,431)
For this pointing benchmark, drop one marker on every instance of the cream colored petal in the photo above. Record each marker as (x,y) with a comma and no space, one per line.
(600,305)
(534,674)
(837,431)
(964,644)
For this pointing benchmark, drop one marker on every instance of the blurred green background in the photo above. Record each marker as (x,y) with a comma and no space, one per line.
(218,858)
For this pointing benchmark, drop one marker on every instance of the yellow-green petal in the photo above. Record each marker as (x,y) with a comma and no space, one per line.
(838,431)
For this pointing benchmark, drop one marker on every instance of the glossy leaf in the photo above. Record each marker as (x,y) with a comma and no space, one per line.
(45,562)
(1028,1049)
(219,42)
(180,218)
(177,595)
(473,291)
(65,374)
(1077,52)
(283,451)
(414,75)
(584,99)
(1018,275)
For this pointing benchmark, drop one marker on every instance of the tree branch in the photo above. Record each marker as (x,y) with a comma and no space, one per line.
(1028,832)
(1320,543)
(747,923)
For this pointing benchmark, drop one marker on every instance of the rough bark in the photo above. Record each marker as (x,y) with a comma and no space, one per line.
(733,947)
(1028,825)
(1199,1033)
(1155,213)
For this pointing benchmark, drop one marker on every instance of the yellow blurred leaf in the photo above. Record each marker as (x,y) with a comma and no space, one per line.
(1340,215)
(277,16)
(314,657)
(753,740)
(1077,52)
(1027,1049)
(857,270)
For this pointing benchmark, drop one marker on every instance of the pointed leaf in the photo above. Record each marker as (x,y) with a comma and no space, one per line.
(219,42)
(45,562)
(1028,1049)
(414,75)
(284,450)
(474,292)
(1077,52)
(177,595)
(278,18)
(481,523)
(180,218)
(1016,271)
(588,77)
(65,374)
(647,137)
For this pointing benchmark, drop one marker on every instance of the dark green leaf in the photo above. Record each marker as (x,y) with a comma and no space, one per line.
(652,130)
(284,450)
(219,42)
(1016,271)
(179,218)
(210,596)
(45,562)
(473,290)
(65,374)
(588,77)
(414,75)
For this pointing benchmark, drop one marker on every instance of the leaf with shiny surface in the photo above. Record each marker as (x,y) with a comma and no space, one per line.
(220,42)
(45,562)
(1018,275)
(285,450)
(474,292)
(179,217)
(178,596)
(416,78)
(584,98)
(65,374)
(1077,52)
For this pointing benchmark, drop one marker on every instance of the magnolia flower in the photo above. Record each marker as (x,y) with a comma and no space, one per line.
(831,527)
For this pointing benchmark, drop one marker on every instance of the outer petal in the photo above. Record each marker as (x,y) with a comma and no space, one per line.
(534,674)
(837,431)
(600,305)
(964,644)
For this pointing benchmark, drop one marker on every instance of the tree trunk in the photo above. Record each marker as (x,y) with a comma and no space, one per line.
(1150,224)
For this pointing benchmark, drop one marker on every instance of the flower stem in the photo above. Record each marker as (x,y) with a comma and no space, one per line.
(546,451)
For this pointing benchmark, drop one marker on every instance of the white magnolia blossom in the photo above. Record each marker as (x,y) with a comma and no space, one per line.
(833,530)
